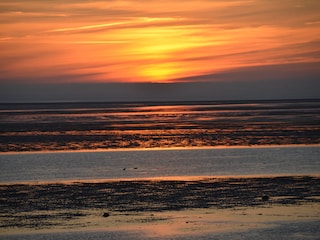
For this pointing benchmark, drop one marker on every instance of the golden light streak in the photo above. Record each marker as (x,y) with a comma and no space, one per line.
(133,21)
(88,27)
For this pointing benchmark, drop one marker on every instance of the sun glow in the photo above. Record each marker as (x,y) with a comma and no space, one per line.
(151,40)
(159,51)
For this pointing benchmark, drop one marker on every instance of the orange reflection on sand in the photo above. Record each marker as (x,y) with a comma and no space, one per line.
(187,223)
(207,222)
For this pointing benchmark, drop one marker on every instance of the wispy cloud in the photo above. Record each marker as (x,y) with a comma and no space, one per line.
(132,21)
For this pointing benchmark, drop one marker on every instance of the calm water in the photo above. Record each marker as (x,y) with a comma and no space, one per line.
(159,163)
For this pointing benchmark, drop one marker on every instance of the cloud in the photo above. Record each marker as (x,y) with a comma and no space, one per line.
(283,72)
(168,40)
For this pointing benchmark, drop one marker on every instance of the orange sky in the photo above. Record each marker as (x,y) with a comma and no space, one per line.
(154,40)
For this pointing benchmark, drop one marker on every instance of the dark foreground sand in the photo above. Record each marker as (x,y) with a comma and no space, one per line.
(238,208)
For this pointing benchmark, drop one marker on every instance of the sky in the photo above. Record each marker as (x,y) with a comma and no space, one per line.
(158,50)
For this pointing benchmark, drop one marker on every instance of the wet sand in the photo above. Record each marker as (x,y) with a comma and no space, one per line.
(163,208)
(89,126)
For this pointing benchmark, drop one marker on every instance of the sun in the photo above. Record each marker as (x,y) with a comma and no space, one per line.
(161,72)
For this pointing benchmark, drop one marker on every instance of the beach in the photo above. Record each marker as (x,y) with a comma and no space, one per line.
(163,208)
(188,170)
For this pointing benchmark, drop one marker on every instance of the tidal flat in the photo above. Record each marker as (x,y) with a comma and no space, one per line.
(158,207)
(29,127)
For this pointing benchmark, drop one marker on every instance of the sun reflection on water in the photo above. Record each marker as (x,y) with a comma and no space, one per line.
(159,126)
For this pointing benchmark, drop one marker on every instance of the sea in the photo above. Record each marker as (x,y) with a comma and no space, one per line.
(96,141)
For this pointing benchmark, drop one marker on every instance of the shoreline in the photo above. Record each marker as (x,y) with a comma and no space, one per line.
(159,179)
(162,148)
